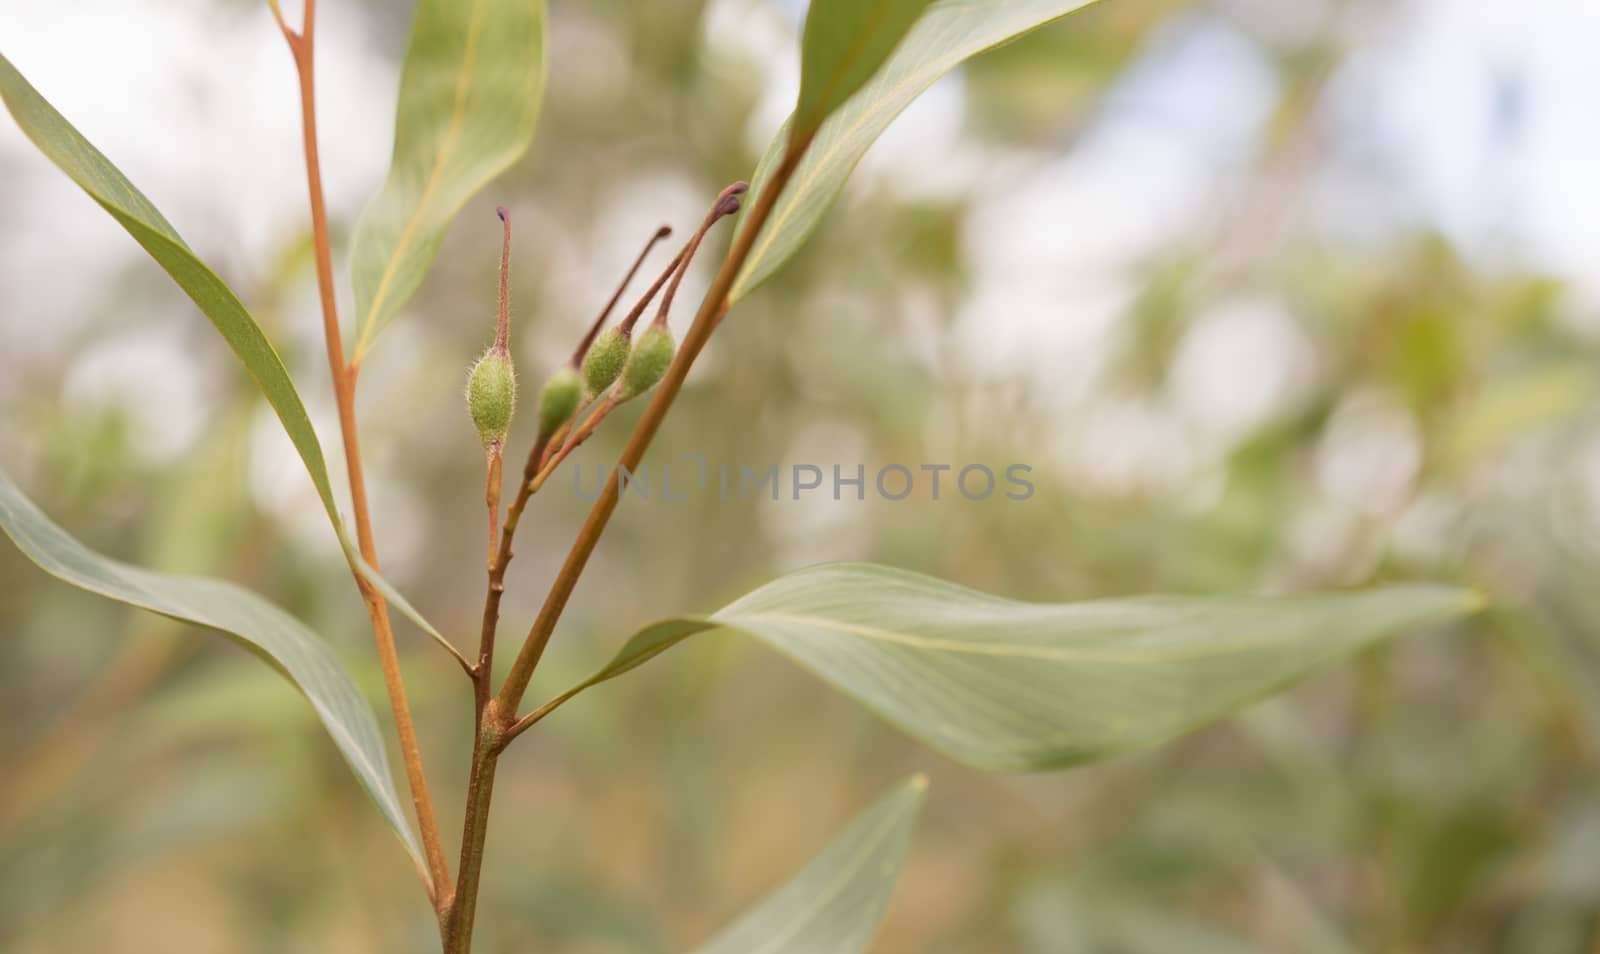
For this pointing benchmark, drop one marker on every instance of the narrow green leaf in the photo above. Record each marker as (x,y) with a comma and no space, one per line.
(469,98)
(949,33)
(836,902)
(395,597)
(254,623)
(1009,686)
(845,42)
(93,172)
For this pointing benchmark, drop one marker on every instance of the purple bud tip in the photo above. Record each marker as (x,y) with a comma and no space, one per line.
(502,211)
(728,205)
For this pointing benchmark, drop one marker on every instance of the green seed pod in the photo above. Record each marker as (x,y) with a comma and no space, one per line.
(558,400)
(603,364)
(492,395)
(648,362)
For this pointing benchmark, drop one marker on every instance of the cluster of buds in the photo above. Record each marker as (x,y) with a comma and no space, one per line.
(607,366)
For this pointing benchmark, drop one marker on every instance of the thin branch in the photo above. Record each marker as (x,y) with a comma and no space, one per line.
(502,318)
(277,14)
(711,311)
(603,409)
(502,346)
(498,715)
(599,322)
(500,558)
(526,722)
(491,498)
(726,204)
(302,46)
(555,442)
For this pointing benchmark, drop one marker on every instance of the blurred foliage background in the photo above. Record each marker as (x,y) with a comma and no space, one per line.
(1270,294)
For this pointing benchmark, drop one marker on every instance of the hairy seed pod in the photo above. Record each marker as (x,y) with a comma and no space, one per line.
(604,362)
(648,362)
(558,400)
(492,395)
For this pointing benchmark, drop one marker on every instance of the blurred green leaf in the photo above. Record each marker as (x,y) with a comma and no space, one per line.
(93,172)
(469,98)
(1515,406)
(1008,686)
(845,42)
(836,902)
(259,626)
(951,31)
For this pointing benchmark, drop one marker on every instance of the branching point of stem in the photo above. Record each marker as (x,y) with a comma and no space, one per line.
(706,320)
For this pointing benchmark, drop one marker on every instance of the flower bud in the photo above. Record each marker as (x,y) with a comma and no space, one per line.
(558,400)
(648,362)
(492,395)
(603,363)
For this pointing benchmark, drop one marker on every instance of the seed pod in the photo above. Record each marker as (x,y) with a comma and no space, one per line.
(648,362)
(604,362)
(492,395)
(558,400)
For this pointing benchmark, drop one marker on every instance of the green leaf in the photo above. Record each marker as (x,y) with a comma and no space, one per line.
(469,98)
(254,623)
(845,42)
(949,33)
(1009,686)
(837,902)
(93,172)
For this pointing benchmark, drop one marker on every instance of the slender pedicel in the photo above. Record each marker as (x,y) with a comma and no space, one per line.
(653,353)
(727,204)
(492,392)
(594,329)
(492,383)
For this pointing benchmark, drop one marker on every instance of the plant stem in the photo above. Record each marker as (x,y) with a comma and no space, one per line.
(574,439)
(457,916)
(497,715)
(487,744)
(705,321)
(491,499)
(302,45)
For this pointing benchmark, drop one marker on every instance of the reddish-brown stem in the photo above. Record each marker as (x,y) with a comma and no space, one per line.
(502,324)
(599,322)
(497,715)
(528,721)
(302,45)
(491,497)
(727,204)
(554,444)
(626,325)
(457,922)
(576,437)
(710,313)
